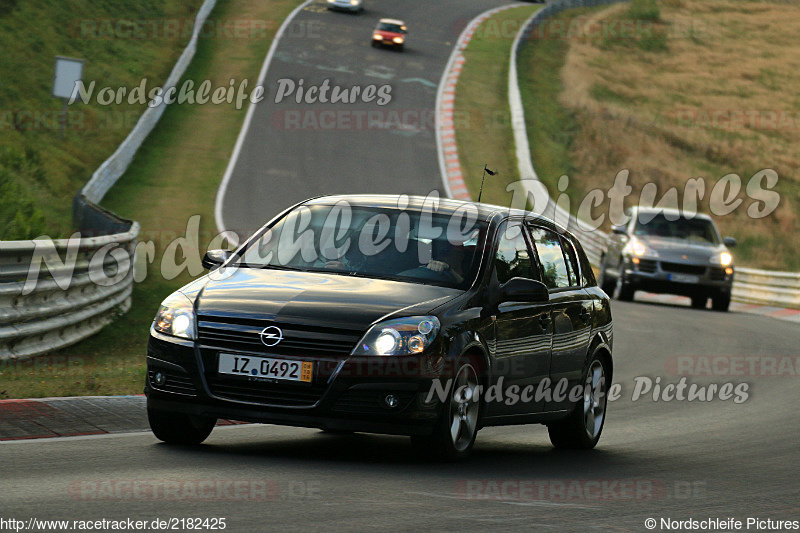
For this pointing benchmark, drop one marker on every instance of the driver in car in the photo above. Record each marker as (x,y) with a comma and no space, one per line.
(448,258)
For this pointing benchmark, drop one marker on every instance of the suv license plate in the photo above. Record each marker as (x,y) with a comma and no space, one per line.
(684,278)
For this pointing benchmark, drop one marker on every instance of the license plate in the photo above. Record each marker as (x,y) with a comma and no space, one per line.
(684,278)
(265,367)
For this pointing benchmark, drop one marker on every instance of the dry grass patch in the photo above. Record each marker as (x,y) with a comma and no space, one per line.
(720,98)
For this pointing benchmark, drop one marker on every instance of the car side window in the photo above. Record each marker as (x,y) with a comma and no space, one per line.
(555,273)
(512,259)
(572,263)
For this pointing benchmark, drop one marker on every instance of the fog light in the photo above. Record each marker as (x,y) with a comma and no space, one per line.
(159,378)
(635,260)
(391,400)
(729,271)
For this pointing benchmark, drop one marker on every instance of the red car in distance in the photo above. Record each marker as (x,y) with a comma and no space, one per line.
(390,32)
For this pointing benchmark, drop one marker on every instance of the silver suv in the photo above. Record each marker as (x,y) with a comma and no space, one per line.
(661,250)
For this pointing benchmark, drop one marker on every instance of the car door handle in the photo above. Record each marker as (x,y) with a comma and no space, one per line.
(544,321)
(585,315)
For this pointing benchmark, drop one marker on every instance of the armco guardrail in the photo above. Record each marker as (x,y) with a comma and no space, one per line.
(110,171)
(765,287)
(69,303)
(761,287)
(66,301)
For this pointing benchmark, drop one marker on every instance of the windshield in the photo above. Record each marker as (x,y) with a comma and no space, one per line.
(394,28)
(701,231)
(377,242)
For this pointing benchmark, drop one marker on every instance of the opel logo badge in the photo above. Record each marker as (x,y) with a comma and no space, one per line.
(271,335)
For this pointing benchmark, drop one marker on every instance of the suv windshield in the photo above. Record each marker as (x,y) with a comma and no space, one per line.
(697,229)
(378,242)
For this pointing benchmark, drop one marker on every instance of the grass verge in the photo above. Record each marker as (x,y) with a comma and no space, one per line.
(173,177)
(39,171)
(482,118)
(701,89)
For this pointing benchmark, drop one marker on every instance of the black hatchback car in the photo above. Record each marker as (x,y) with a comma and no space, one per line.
(388,314)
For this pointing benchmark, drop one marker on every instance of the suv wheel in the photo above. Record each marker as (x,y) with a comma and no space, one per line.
(721,302)
(699,302)
(624,292)
(581,429)
(178,428)
(605,283)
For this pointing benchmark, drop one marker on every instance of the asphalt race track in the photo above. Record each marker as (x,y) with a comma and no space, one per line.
(656,459)
(668,459)
(296,151)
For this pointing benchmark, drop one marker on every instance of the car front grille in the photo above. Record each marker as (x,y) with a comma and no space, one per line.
(716,274)
(647,265)
(325,346)
(243,335)
(681,268)
(261,392)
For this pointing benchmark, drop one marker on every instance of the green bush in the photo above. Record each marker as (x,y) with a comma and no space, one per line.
(644,10)
(20,218)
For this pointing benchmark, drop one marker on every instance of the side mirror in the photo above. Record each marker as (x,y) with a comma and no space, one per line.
(619,230)
(214,258)
(730,242)
(524,290)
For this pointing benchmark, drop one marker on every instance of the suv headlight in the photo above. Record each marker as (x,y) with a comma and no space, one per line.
(638,248)
(723,259)
(400,336)
(176,317)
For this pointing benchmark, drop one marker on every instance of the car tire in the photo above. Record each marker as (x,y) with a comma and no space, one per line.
(699,302)
(608,285)
(178,428)
(721,302)
(581,429)
(624,292)
(454,434)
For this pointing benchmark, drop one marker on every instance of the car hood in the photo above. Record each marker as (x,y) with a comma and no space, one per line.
(312,298)
(682,250)
(389,34)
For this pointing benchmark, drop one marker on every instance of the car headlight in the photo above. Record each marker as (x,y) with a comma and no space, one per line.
(355,2)
(398,40)
(377,36)
(401,336)
(638,248)
(723,259)
(176,317)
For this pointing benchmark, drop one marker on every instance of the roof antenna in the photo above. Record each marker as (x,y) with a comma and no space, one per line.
(485,171)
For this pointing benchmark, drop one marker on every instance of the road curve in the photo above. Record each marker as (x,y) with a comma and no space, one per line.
(295,151)
(656,459)
(677,459)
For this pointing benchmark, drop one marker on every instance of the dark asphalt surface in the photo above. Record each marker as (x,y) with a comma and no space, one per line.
(683,459)
(296,151)
(686,459)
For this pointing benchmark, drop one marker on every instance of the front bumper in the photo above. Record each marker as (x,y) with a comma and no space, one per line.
(350,396)
(687,279)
